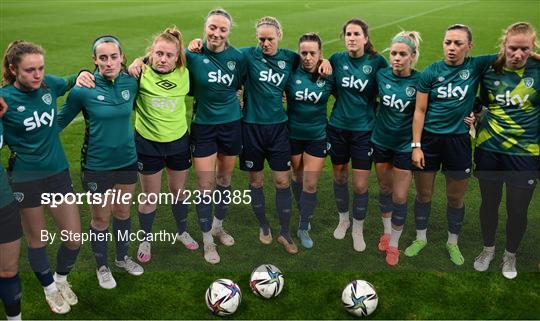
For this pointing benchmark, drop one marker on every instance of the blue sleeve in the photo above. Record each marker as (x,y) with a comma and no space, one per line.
(70,109)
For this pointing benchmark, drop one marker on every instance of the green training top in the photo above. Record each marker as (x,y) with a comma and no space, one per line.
(356,90)
(267,78)
(109,143)
(215,79)
(451,90)
(306,105)
(160,113)
(6,195)
(393,123)
(512,124)
(31,130)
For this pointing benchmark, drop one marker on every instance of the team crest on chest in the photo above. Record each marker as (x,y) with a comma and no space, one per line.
(367,69)
(345,67)
(320,83)
(464,74)
(410,91)
(440,79)
(298,81)
(125,94)
(263,60)
(100,97)
(205,60)
(528,82)
(388,86)
(281,64)
(496,83)
(47,98)
(20,109)
(231,65)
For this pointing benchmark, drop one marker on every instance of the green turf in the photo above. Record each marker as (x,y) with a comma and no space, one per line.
(425,287)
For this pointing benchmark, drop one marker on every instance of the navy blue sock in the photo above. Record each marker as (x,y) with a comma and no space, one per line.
(40,265)
(99,246)
(455,218)
(11,293)
(385,203)
(180,212)
(258,206)
(296,188)
(421,214)
(146,221)
(204,212)
(308,201)
(283,206)
(221,208)
(399,214)
(65,259)
(121,230)
(341,193)
(360,203)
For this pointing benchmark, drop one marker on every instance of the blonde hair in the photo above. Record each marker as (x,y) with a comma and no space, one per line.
(523,28)
(270,21)
(13,56)
(172,35)
(412,40)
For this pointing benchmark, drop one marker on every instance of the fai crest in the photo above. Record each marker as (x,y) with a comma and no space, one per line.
(92,186)
(47,98)
(388,86)
(20,109)
(464,74)
(249,164)
(140,166)
(367,69)
(205,60)
(528,82)
(18,196)
(298,81)
(321,83)
(345,67)
(440,79)
(281,64)
(125,94)
(410,91)
(231,65)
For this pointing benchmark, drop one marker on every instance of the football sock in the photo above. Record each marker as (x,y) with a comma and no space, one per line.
(421,214)
(40,265)
(455,218)
(99,246)
(257,204)
(341,193)
(308,201)
(10,293)
(296,188)
(204,212)
(221,207)
(121,229)
(283,206)
(399,214)
(360,203)
(180,212)
(385,203)
(65,259)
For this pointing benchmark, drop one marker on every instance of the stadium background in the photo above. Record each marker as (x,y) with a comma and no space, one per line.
(426,287)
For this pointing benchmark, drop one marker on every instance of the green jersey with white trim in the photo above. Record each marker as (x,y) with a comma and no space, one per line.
(393,124)
(306,105)
(160,113)
(31,130)
(6,195)
(356,90)
(109,142)
(452,90)
(267,78)
(216,78)
(512,123)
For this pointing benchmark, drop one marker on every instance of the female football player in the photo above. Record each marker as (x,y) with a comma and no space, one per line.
(350,125)
(39,168)
(109,157)
(391,137)
(507,147)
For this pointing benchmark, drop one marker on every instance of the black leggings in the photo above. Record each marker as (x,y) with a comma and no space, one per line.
(517,204)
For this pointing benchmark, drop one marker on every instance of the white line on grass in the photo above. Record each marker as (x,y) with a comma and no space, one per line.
(406,18)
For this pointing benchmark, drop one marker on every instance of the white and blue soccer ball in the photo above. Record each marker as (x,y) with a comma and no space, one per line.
(360,298)
(266,281)
(223,297)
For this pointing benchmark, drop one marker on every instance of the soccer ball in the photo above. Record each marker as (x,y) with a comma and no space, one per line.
(223,297)
(266,281)
(359,298)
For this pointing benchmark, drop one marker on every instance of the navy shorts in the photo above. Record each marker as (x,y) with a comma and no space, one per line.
(401,160)
(10,223)
(519,171)
(348,145)
(270,142)
(453,152)
(28,194)
(317,148)
(225,139)
(154,156)
(101,181)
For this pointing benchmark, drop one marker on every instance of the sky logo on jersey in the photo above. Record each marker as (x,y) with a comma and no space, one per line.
(307,96)
(164,102)
(47,98)
(392,102)
(271,77)
(220,78)
(452,92)
(515,100)
(37,120)
(352,82)
(165,84)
